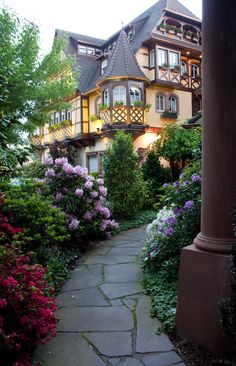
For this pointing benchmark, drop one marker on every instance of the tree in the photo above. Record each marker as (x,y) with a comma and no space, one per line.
(123,179)
(177,145)
(30,85)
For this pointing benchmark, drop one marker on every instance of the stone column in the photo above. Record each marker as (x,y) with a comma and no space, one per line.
(204,269)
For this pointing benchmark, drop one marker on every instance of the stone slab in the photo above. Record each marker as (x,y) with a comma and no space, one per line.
(162,359)
(122,273)
(114,361)
(125,250)
(83,278)
(131,362)
(86,319)
(109,259)
(147,340)
(86,297)
(130,303)
(67,350)
(117,290)
(111,344)
(117,302)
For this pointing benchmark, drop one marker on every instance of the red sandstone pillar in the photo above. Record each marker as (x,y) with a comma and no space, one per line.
(204,270)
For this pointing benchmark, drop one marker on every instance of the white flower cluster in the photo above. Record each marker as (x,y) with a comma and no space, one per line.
(158,225)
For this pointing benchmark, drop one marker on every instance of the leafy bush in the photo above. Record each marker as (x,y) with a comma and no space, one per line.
(126,189)
(42,224)
(176,225)
(81,197)
(155,174)
(140,219)
(178,145)
(27,308)
(33,170)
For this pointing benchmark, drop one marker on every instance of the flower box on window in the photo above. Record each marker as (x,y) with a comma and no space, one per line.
(119,103)
(169,114)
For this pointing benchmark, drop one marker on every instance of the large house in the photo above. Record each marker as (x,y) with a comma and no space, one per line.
(141,78)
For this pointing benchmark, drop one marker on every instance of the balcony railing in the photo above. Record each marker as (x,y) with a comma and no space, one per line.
(123,115)
(60,133)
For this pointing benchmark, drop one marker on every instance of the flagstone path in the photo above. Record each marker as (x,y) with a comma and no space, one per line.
(104,316)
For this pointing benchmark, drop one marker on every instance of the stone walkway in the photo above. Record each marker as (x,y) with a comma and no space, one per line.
(104,314)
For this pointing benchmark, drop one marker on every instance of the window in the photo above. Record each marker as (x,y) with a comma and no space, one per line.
(103,65)
(98,103)
(68,115)
(51,122)
(152,58)
(82,49)
(195,70)
(98,52)
(162,57)
(135,94)
(93,163)
(119,94)
(130,34)
(90,51)
(173,59)
(172,104)
(183,68)
(57,118)
(63,116)
(160,100)
(106,99)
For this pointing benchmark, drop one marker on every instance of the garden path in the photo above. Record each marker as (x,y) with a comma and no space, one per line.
(104,314)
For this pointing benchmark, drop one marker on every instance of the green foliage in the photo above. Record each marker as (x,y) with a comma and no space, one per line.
(140,219)
(164,299)
(43,224)
(155,174)
(177,145)
(126,189)
(35,169)
(30,86)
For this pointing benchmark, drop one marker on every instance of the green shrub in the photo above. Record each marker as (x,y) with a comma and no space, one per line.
(33,170)
(123,179)
(155,174)
(43,224)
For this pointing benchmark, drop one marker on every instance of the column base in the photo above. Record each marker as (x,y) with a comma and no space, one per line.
(204,281)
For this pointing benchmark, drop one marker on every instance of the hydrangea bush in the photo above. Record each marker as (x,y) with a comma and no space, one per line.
(176,225)
(81,197)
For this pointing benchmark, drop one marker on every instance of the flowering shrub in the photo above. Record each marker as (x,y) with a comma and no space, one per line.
(176,225)
(27,308)
(42,224)
(81,197)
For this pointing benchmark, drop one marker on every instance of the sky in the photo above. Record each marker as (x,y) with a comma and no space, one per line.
(96,18)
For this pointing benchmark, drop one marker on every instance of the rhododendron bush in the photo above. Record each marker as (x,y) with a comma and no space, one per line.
(27,307)
(81,197)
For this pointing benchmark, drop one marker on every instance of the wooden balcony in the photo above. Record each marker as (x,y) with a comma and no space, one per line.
(60,134)
(130,118)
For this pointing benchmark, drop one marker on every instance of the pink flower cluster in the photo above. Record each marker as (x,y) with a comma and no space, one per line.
(83,198)
(27,310)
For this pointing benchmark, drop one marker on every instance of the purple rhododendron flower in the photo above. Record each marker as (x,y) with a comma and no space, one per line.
(103,190)
(181,175)
(48,161)
(79,192)
(88,215)
(186,182)
(79,170)
(98,206)
(165,185)
(176,184)
(59,196)
(168,231)
(73,225)
(93,194)
(106,212)
(50,173)
(61,161)
(189,204)
(68,168)
(88,185)
(85,172)
(196,178)
(90,178)
(100,181)
(171,221)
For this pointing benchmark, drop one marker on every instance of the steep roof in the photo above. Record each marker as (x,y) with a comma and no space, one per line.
(81,38)
(123,61)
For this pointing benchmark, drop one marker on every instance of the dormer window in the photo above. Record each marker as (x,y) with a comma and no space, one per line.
(82,49)
(103,65)
(87,50)
(130,34)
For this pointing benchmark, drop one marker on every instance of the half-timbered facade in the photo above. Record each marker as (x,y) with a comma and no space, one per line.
(141,78)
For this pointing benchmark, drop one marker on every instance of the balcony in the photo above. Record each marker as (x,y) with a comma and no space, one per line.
(132,118)
(59,133)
